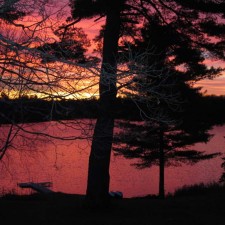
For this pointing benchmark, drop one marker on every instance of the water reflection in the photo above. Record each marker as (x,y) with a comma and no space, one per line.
(65,163)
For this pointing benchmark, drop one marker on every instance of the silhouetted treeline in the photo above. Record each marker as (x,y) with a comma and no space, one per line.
(209,109)
(25,110)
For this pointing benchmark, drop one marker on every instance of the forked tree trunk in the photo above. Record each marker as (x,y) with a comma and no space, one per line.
(99,160)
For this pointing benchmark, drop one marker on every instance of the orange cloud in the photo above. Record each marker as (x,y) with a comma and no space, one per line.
(213,87)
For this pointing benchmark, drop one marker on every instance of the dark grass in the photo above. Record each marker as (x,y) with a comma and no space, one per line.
(185,208)
(200,189)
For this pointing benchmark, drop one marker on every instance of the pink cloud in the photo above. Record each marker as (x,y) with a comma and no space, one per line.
(213,87)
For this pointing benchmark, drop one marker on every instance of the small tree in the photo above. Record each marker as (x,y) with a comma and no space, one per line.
(164,101)
(153,143)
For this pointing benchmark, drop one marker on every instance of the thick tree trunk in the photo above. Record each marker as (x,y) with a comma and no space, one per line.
(161,164)
(99,160)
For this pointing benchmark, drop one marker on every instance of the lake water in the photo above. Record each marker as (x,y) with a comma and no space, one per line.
(65,163)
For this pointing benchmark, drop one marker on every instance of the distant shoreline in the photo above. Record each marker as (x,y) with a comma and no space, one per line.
(34,110)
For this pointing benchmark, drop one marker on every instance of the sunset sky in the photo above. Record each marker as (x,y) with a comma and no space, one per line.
(91,27)
(213,87)
(209,87)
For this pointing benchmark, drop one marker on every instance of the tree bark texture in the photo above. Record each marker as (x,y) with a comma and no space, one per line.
(99,160)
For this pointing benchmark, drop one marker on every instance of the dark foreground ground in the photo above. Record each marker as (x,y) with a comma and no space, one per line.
(191,209)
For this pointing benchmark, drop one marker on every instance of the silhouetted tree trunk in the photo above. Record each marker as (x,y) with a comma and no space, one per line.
(99,160)
(161,163)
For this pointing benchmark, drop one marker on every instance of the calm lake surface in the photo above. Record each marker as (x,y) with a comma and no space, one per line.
(65,163)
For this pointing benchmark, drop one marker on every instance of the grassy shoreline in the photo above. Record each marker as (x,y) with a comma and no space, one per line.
(206,207)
